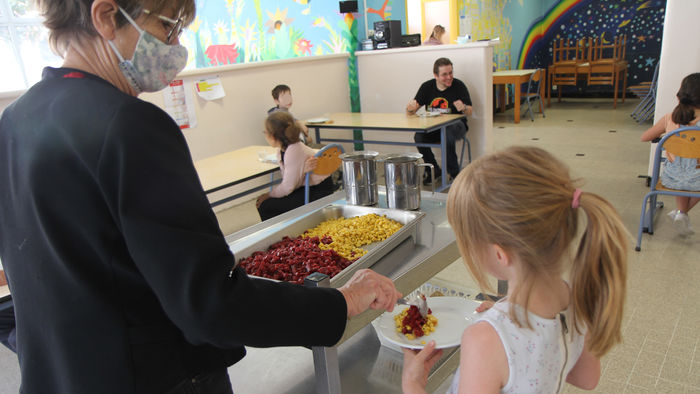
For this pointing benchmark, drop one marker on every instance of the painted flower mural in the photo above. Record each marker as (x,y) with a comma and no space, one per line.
(243,31)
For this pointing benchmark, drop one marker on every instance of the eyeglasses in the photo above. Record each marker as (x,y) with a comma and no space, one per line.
(175,31)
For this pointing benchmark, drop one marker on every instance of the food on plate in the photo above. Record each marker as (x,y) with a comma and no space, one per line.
(293,259)
(348,234)
(410,323)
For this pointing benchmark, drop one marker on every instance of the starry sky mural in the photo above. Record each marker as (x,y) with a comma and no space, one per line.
(640,20)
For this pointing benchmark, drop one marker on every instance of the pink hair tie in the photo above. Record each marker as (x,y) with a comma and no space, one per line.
(577,197)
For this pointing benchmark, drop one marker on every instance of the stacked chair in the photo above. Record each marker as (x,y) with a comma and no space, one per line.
(533,93)
(592,59)
(569,59)
(608,64)
(647,91)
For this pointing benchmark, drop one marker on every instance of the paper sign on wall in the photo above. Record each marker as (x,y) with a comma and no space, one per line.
(178,103)
(210,88)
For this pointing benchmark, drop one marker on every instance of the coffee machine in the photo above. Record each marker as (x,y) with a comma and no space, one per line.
(387,34)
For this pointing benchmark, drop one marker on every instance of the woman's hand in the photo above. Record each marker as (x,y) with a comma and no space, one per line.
(416,366)
(310,164)
(261,198)
(367,289)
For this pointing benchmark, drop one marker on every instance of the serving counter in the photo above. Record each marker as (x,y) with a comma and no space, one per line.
(364,366)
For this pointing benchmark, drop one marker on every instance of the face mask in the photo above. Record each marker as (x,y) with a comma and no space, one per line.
(154,64)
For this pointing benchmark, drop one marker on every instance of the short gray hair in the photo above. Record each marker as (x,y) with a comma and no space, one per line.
(69,20)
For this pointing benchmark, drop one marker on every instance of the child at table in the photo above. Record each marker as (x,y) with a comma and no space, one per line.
(295,159)
(515,215)
(681,173)
(282,95)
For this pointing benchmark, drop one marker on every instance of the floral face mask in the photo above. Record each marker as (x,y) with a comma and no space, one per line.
(154,64)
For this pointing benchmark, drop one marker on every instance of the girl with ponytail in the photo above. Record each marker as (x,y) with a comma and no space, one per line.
(296,159)
(681,173)
(518,216)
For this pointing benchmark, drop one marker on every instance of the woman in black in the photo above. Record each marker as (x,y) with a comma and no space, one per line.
(121,279)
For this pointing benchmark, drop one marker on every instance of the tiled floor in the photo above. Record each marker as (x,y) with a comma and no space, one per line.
(661,348)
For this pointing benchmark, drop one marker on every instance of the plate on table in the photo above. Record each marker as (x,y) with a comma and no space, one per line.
(454,314)
(318,120)
(429,114)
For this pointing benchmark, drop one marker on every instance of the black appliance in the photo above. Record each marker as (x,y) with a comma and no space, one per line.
(348,6)
(387,34)
(410,40)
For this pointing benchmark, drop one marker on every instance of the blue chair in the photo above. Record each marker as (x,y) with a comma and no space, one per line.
(319,154)
(533,92)
(682,142)
(645,109)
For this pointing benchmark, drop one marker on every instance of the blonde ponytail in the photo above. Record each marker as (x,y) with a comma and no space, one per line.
(598,275)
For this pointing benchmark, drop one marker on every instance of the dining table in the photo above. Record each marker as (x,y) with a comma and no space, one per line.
(4,293)
(515,78)
(236,167)
(394,122)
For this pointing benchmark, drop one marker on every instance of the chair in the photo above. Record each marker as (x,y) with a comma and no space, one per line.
(329,154)
(647,91)
(569,59)
(682,142)
(533,91)
(608,64)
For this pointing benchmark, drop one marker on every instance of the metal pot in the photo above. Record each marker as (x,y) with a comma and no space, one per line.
(403,180)
(360,177)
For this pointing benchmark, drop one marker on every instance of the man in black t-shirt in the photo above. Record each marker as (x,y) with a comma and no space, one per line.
(443,94)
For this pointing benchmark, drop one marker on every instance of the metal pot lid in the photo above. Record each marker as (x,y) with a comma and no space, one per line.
(401,157)
(359,155)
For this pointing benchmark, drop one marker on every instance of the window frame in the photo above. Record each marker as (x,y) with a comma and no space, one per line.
(13,23)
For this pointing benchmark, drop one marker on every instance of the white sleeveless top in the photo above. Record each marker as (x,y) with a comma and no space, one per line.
(539,359)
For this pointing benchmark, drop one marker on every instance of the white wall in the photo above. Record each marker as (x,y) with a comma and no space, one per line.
(390,78)
(680,52)
(319,85)
(680,56)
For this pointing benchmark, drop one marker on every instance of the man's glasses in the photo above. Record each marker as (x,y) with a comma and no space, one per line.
(176,26)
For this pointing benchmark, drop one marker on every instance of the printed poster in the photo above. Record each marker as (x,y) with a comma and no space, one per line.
(178,102)
(210,88)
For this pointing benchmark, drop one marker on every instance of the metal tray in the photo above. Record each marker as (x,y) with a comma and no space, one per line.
(261,240)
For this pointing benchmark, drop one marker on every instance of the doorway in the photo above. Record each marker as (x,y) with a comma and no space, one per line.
(423,15)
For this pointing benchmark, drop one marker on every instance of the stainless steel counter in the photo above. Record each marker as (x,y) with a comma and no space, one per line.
(365,366)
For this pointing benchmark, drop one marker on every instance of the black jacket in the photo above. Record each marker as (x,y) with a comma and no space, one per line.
(117,267)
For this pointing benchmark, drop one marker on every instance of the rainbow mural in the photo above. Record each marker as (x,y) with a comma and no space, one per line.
(543,26)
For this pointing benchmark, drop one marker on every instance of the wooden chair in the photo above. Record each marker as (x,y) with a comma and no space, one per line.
(608,65)
(682,142)
(328,162)
(569,60)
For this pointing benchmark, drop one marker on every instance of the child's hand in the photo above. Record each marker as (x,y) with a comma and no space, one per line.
(416,366)
(310,164)
(486,305)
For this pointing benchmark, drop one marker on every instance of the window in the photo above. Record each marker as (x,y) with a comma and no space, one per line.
(24,45)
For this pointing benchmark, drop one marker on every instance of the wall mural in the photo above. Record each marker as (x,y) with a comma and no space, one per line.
(244,31)
(487,21)
(640,20)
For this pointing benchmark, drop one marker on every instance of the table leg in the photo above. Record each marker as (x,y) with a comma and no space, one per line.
(516,104)
(615,83)
(443,156)
(502,97)
(326,366)
(624,84)
(318,135)
(549,90)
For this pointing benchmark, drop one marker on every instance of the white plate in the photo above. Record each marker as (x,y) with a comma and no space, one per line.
(430,114)
(318,120)
(454,314)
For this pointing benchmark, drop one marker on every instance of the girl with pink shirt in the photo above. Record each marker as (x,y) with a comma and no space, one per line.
(681,173)
(296,159)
